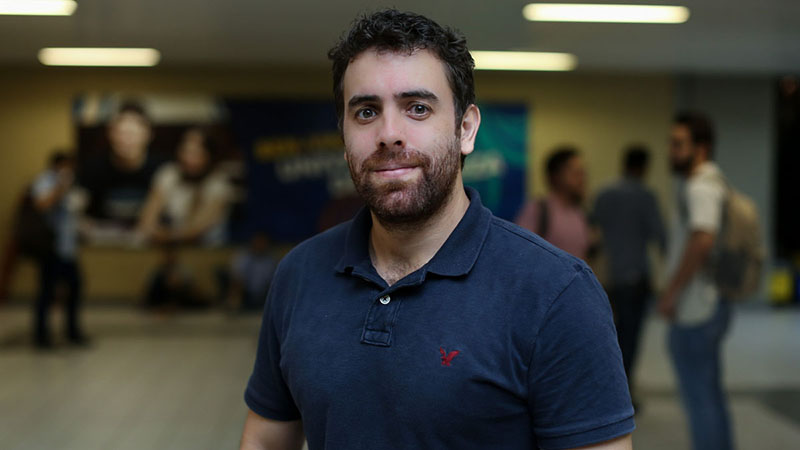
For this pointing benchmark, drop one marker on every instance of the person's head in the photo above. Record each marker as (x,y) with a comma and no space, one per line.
(635,161)
(129,132)
(404,93)
(691,142)
(566,174)
(259,243)
(197,153)
(61,160)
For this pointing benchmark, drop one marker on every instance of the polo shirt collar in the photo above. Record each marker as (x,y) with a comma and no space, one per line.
(455,258)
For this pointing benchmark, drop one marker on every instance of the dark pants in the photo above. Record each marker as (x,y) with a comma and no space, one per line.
(53,270)
(630,304)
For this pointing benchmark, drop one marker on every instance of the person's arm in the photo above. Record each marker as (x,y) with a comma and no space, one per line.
(148,219)
(620,443)
(208,214)
(48,199)
(696,253)
(655,224)
(261,433)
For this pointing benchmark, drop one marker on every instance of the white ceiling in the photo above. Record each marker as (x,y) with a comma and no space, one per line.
(722,36)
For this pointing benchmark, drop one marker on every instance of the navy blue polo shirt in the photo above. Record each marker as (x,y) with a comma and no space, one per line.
(500,341)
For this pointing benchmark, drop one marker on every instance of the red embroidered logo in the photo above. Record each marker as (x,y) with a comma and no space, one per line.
(447,357)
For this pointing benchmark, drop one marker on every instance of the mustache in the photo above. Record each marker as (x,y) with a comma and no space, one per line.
(387,157)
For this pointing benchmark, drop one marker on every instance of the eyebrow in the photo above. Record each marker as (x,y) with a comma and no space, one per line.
(359,99)
(419,93)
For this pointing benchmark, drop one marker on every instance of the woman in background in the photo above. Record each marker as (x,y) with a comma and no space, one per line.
(190,198)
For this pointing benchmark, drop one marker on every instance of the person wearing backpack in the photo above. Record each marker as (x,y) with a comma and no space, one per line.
(698,313)
(559,218)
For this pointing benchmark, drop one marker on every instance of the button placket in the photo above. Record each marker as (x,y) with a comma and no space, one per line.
(380,321)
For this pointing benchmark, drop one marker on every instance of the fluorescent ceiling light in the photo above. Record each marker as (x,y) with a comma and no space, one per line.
(573,12)
(524,61)
(37,7)
(122,57)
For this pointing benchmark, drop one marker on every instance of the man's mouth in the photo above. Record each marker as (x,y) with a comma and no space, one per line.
(394,170)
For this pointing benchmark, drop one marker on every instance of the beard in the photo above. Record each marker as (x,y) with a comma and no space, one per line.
(401,203)
(681,166)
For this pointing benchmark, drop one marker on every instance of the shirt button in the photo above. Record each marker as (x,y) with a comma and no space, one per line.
(385,300)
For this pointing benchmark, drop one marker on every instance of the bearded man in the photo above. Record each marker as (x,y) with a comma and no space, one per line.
(426,322)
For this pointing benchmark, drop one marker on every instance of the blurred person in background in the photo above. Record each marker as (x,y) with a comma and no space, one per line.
(558,217)
(190,198)
(425,321)
(53,197)
(118,182)
(628,217)
(698,316)
(251,271)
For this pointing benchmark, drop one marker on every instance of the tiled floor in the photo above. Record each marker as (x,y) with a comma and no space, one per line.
(176,383)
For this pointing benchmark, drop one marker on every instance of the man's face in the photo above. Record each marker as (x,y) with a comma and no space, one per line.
(682,150)
(129,134)
(401,140)
(571,180)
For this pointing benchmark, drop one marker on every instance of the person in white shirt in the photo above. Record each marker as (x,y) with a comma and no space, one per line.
(189,199)
(699,317)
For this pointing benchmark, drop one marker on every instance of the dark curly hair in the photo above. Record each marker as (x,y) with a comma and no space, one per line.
(397,31)
(700,126)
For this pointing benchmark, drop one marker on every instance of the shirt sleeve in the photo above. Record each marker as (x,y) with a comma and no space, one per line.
(578,391)
(267,393)
(704,199)
(166,178)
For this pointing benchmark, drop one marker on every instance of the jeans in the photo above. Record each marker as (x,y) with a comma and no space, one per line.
(630,303)
(696,352)
(52,270)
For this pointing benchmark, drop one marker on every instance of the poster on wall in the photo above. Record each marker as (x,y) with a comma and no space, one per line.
(156,169)
(270,166)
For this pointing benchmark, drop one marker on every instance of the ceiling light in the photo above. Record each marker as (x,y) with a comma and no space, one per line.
(121,57)
(524,61)
(572,12)
(37,7)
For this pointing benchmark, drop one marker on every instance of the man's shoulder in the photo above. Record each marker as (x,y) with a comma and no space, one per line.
(512,245)
(708,180)
(325,247)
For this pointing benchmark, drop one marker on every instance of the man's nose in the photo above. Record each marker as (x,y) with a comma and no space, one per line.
(392,130)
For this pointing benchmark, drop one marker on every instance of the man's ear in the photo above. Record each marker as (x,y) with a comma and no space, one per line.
(469,128)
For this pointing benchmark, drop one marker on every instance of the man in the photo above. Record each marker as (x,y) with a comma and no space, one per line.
(628,217)
(425,322)
(118,182)
(691,302)
(50,195)
(559,218)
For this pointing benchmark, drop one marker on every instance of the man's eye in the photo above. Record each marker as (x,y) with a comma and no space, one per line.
(419,110)
(365,113)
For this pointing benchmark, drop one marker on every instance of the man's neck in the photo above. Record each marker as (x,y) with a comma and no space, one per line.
(399,251)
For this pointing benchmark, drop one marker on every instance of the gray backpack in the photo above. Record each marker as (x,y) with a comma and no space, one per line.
(738,259)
